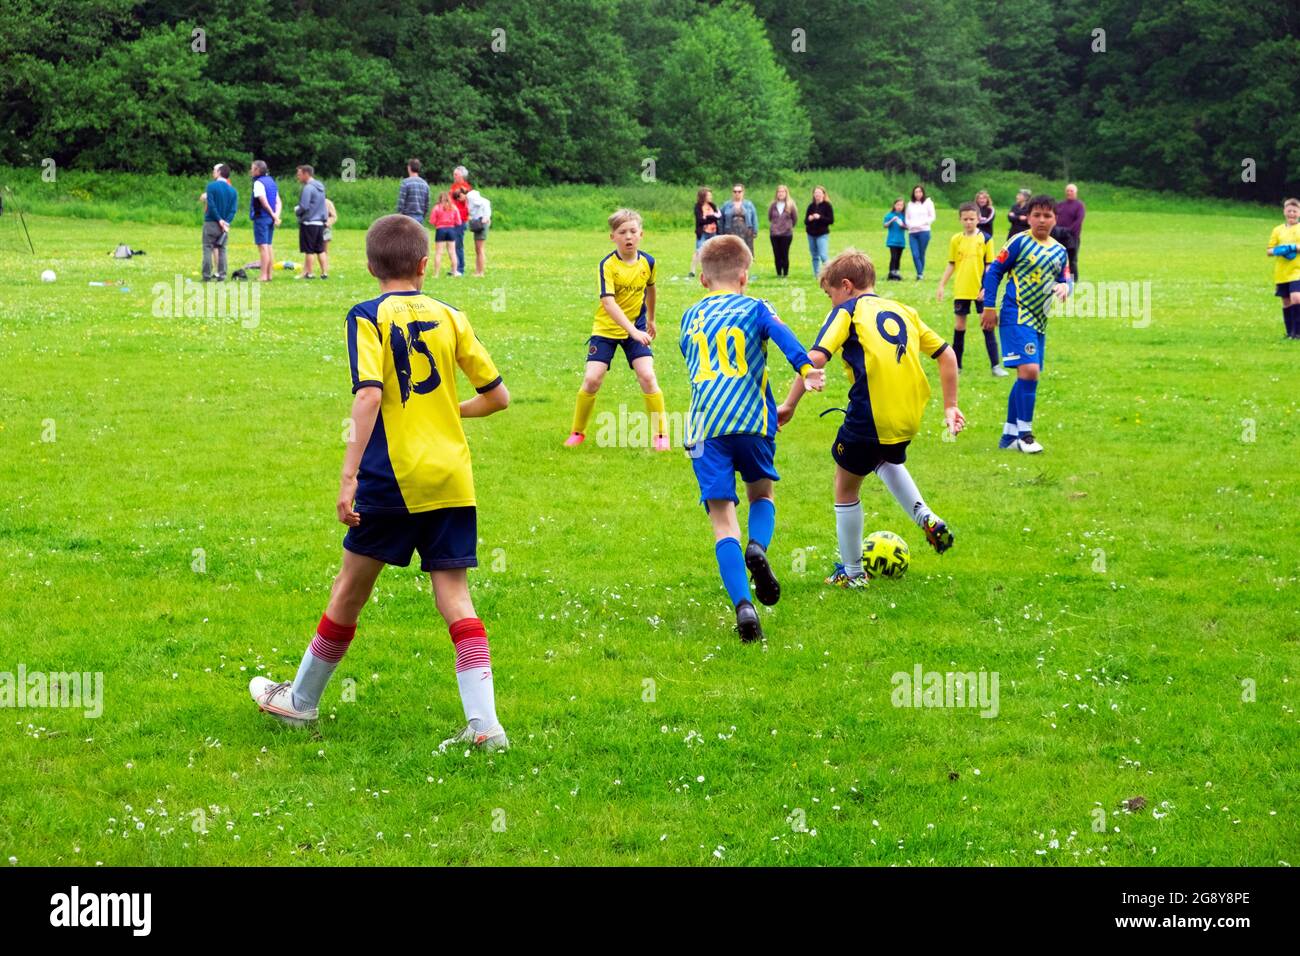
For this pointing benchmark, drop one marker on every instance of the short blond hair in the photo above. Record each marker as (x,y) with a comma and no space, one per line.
(852,265)
(1290,201)
(621,216)
(724,258)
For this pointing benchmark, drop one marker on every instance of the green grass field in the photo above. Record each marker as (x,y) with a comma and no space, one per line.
(1130,586)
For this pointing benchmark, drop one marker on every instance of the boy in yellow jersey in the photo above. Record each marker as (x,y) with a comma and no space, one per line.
(406,484)
(1283,245)
(969,254)
(625,318)
(882,342)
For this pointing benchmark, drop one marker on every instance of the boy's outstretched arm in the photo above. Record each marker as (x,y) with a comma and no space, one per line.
(810,376)
(952,415)
(486,403)
(365,410)
(785,411)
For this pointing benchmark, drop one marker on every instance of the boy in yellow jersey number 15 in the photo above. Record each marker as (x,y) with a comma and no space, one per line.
(625,318)
(407,483)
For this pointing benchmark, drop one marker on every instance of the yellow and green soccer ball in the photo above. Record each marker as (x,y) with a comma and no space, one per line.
(885,555)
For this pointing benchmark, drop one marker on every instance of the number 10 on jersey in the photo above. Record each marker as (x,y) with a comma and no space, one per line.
(735,338)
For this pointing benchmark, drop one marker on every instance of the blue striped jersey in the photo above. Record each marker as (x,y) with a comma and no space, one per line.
(1032,268)
(724,341)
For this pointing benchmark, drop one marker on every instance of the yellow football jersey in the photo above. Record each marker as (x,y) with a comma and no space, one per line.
(410,345)
(882,342)
(1284,269)
(627,283)
(969,256)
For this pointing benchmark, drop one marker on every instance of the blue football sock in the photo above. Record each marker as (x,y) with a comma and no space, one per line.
(1025,405)
(1013,408)
(731,562)
(762,521)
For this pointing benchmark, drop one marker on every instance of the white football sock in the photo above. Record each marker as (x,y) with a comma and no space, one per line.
(900,484)
(474,674)
(848,529)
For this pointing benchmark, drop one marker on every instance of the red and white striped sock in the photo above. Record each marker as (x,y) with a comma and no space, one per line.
(474,674)
(318,662)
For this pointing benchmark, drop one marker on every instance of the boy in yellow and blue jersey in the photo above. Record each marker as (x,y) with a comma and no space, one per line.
(1037,270)
(406,485)
(1283,245)
(969,254)
(882,342)
(625,318)
(731,424)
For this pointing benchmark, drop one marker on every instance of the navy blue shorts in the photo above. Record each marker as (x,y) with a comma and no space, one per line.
(602,349)
(446,538)
(859,457)
(1284,289)
(965,306)
(263,230)
(716,461)
(445,234)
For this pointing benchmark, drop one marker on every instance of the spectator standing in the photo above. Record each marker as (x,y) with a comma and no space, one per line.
(331,217)
(460,186)
(312,217)
(919,216)
(817,221)
(445,219)
(896,237)
(984,207)
(740,218)
(781,219)
(265,212)
(1069,226)
(413,194)
(480,221)
(220,206)
(707,217)
(1018,214)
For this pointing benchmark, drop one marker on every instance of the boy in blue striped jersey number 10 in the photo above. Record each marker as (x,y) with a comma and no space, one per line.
(731,424)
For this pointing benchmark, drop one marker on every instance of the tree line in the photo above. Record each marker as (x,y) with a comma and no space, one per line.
(1185,95)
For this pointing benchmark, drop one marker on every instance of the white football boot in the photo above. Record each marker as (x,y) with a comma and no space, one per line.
(1028,444)
(277,700)
(490,741)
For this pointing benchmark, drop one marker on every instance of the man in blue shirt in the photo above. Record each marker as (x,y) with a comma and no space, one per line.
(220,201)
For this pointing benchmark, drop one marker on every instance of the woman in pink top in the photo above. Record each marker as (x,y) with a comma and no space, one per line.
(445,219)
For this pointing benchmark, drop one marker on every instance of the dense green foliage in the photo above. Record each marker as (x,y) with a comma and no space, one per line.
(1174,95)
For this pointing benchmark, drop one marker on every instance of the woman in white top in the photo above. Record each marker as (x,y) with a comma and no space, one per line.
(919,216)
(480,220)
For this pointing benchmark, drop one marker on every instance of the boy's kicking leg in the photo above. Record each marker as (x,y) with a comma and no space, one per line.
(473,662)
(297,703)
(899,481)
